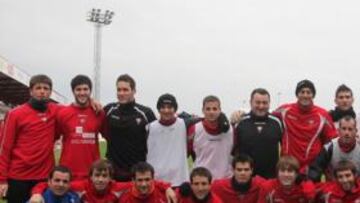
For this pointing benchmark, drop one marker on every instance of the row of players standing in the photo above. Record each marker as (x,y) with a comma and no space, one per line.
(133,134)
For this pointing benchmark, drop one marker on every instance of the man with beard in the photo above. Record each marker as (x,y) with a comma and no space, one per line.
(259,135)
(126,129)
(27,143)
(345,188)
(200,188)
(242,187)
(288,186)
(345,147)
(80,125)
(344,104)
(307,127)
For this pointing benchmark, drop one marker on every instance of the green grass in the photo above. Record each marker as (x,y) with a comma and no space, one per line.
(102,149)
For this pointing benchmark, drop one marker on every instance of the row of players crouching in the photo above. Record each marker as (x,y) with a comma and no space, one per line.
(288,187)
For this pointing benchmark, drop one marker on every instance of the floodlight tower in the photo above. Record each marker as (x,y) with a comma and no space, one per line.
(99,19)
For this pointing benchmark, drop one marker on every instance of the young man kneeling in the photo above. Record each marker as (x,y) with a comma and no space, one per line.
(288,186)
(199,189)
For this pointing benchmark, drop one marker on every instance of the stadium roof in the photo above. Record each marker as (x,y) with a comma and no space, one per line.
(14,89)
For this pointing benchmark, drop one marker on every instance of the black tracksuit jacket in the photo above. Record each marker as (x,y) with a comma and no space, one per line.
(259,137)
(127,133)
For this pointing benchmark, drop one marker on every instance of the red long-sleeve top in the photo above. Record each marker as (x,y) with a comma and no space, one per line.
(156,195)
(305,131)
(80,144)
(189,199)
(332,192)
(223,189)
(27,143)
(273,191)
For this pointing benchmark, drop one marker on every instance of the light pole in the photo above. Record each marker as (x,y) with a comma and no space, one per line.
(99,19)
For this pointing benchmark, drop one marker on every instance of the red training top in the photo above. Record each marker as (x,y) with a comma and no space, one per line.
(273,191)
(156,195)
(223,189)
(27,143)
(305,131)
(213,198)
(332,192)
(80,145)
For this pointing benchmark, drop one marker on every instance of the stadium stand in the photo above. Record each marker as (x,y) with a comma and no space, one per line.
(14,88)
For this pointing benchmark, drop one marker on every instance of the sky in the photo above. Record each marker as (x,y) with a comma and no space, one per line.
(191,48)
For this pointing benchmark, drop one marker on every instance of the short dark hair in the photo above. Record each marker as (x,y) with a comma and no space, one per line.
(142,167)
(80,80)
(61,169)
(242,158)
(41,78)
(127,78)
(261,91)
(347,118)
(288,162)
(343,88)
(211,98)
(201,171)
(345,165)
(102,165)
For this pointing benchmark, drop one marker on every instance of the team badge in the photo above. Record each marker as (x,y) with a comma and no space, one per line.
(82,120)
(138,121)
(115,117)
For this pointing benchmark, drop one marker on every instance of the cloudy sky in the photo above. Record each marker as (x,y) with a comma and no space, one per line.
(191,48)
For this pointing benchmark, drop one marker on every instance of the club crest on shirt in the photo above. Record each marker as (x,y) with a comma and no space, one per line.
(42,117)
(82,120)
(115,117)
(138,121)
